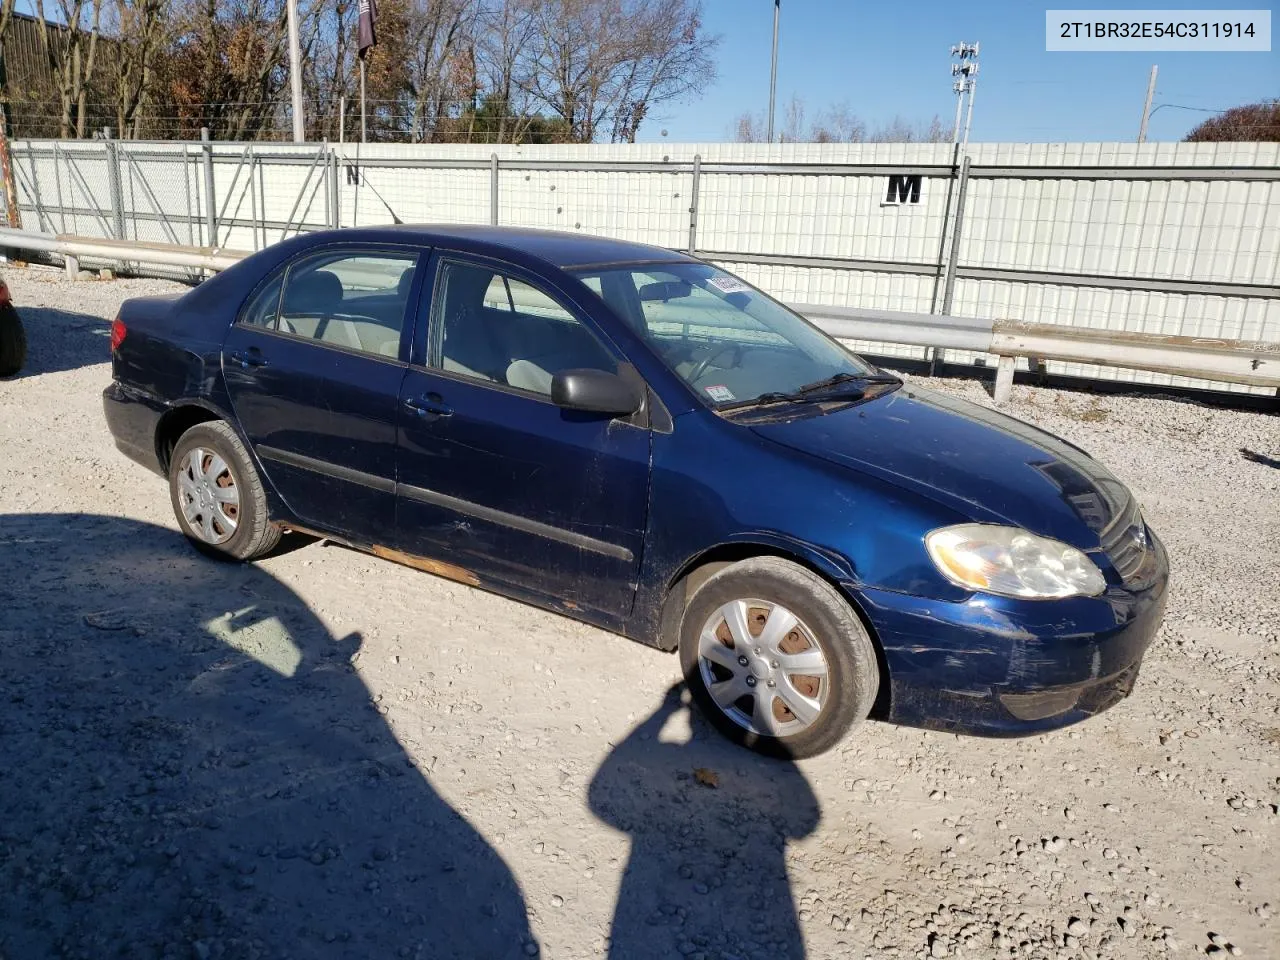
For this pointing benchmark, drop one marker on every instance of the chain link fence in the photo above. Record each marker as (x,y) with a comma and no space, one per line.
(1175,239)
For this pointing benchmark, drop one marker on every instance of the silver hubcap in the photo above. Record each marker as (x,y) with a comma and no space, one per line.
(763,667)
(209,497)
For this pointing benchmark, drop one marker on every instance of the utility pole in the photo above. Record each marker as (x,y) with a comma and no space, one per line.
(295,73)
(773,72)
(966,82)
(968,113)
(1146,107)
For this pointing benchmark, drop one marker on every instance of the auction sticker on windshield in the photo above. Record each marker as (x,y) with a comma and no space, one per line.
(719,392)
(728,285)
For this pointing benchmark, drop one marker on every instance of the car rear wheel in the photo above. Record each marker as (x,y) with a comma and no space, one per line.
(13,341)
(776,658)
(217,495)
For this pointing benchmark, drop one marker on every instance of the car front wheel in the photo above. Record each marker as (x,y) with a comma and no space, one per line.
(776,658)
(217,495)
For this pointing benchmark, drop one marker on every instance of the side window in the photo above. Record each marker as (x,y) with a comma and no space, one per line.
(351,300)
(501,329)
(264,307)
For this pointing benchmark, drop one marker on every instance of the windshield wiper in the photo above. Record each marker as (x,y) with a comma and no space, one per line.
(843,393)
(839,378)
(840,386)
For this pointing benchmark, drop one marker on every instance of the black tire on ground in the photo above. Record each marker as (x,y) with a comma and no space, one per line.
(853,673)
(255,534)
(13,341)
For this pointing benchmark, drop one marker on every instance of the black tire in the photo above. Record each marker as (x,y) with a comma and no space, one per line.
(254,534)
(13,341)
(847,692)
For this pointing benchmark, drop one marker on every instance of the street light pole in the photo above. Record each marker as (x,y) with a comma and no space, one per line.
(295,73)
(773,73)
(1146,107)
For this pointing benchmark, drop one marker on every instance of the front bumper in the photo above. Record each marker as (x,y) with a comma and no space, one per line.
(994,666)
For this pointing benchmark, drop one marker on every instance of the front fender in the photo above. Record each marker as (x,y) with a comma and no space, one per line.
(719,490)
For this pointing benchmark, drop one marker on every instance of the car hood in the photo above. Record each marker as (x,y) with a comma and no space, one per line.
(989,467)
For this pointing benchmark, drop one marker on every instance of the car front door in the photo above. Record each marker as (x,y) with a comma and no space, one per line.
(313,366)
(495,477)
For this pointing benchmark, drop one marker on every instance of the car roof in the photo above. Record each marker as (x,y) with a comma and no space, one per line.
(557,247)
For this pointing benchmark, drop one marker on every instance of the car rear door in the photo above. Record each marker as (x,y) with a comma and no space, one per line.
(313,367)
(494,477)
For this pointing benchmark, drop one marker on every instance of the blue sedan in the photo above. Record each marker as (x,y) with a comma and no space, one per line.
(638,439)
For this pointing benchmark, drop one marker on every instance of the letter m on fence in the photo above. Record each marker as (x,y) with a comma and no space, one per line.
(903,188)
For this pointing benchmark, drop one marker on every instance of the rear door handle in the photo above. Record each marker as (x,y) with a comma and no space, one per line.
(432,405)
(248,358)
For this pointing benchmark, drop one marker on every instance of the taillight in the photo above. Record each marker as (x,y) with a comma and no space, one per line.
(117,333)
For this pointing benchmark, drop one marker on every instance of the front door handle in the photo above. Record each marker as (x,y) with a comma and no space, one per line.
(248,358)
(432,405)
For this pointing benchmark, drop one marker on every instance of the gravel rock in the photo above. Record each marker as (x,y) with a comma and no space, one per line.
(391,787)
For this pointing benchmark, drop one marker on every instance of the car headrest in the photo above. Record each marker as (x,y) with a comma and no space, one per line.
(318,292)
(467,286)
(405,282)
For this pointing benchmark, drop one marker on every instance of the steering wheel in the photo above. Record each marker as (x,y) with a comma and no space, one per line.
(713,351)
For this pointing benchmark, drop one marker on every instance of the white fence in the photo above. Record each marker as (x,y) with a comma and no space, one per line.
(1171,239)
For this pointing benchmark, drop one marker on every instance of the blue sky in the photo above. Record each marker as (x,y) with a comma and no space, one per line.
(894,58)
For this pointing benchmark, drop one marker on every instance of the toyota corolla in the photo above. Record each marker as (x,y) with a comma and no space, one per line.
(638,439)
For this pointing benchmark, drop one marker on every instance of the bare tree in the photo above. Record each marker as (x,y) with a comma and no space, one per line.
(1253,122)
(749,128)
(793,128)
(504,31)
(441,65)
(612,61)
(13,216)
(837,124)
(442,70)
(6,17)
(328,66)
(227,67)
(671,57)
(70,54)
(899,130)
(140,28)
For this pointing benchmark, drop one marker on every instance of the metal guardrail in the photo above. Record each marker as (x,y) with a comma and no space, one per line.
(72,249)
(1230,361)
(1255,363)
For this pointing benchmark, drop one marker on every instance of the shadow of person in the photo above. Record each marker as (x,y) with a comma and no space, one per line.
(709,824)
(191,767)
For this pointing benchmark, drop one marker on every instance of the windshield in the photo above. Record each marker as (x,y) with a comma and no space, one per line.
(726,339)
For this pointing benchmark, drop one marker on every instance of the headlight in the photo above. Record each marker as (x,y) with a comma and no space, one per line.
(1012,562)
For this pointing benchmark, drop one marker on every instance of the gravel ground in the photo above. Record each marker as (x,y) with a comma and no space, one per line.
(327,755)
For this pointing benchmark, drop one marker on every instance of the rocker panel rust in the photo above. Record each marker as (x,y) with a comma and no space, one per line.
(438,567)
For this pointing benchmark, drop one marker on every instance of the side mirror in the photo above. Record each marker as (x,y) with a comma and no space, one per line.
(595,391)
